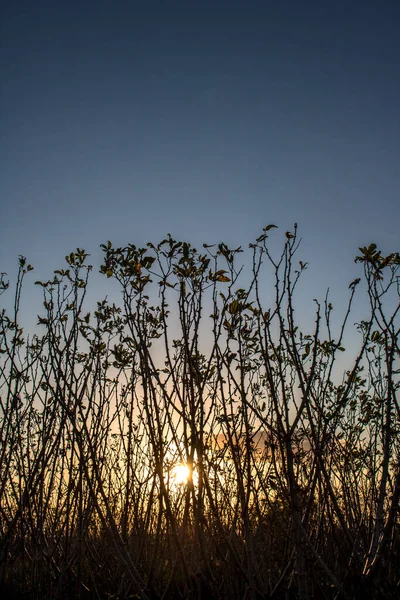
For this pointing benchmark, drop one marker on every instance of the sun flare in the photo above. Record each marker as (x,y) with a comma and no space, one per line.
(181,474)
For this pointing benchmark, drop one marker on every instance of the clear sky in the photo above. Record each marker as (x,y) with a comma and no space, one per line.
(125,120)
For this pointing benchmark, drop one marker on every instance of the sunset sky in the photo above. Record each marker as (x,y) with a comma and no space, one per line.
(125,120)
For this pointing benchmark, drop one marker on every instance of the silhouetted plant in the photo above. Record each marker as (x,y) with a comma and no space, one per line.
(294,462)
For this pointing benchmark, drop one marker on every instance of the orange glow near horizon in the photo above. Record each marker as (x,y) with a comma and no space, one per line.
(181,474)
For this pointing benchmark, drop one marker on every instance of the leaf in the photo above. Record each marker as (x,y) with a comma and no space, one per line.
(233,307)
(268,227)
(306,351)
(272,483)
(386,261)
(355,282)
(219,276)
(70,259)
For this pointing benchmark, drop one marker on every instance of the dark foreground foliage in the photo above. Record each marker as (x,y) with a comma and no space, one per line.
(292,442)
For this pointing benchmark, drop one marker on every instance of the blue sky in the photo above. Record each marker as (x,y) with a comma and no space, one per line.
(125,120)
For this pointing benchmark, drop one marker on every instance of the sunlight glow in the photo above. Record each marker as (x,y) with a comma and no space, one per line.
(180,474)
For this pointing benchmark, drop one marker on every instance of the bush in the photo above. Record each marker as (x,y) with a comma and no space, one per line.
(293,478)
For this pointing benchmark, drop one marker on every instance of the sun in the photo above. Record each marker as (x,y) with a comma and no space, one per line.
(181,474)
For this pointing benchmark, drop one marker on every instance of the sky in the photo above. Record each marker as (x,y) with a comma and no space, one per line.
(124,120)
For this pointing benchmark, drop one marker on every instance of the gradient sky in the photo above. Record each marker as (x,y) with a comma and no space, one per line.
(125,120)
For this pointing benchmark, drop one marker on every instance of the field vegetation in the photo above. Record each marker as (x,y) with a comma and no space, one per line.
(290,441)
